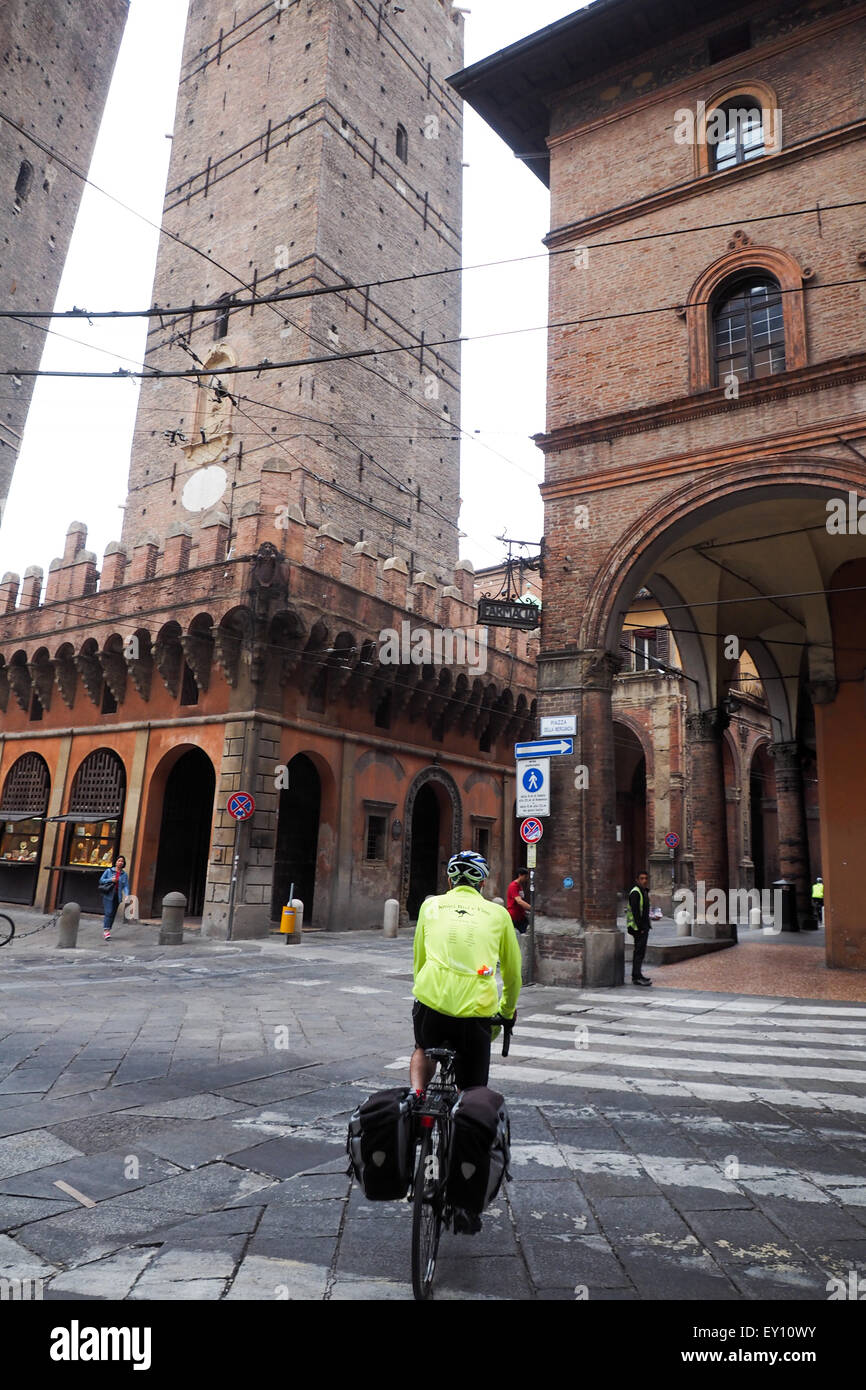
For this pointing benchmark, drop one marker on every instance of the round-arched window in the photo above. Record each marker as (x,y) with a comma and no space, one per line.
(748,330)
(735,133)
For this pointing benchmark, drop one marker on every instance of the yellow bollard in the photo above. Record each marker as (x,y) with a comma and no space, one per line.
(287,921)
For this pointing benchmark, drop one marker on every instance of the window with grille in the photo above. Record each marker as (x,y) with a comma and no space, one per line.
(735,133)
(99,785)
(26,786)
(749,331)
(481,840)
(376,828)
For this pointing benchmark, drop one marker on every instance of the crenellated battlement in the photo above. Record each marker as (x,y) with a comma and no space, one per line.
(340,613)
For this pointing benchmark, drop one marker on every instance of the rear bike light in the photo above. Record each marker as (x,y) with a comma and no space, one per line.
(426,1121)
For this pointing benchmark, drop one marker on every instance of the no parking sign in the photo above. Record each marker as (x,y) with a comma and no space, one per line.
(241,806)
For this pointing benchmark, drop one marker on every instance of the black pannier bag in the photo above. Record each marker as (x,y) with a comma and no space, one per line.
(480,1150)
(379,1145)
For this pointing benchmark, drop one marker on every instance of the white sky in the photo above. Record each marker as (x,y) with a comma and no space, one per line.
(75,453)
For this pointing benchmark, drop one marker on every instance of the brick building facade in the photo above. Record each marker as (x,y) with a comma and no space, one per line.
(57,61)
(273,617)
(706,412)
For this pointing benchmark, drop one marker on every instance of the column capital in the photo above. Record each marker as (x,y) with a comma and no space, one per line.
(823,691)
(598,669)
(789,771)
(706,725)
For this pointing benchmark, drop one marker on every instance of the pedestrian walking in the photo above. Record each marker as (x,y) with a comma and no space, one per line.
(114,887)
(515,901)
(638,923)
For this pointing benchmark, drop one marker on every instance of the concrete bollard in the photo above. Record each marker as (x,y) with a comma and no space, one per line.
(754,917)
(391,918)
(70,916)
(171,926)
(294,938)
(683,922)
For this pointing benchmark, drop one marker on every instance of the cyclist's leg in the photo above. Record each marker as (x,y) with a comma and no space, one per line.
(421,1068)
(473,1062)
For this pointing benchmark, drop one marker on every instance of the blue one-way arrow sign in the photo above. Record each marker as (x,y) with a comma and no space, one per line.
(544,748)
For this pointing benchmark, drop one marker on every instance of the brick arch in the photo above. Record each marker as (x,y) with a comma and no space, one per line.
(634,554)
(643,738)
(767,259)
(751,88)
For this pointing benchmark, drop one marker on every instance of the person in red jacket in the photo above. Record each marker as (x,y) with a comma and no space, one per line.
(515,902)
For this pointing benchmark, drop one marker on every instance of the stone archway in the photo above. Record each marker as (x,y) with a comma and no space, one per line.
(440,807)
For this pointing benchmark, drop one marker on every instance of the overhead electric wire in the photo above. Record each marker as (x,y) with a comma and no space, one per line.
(358,354)
(234,303)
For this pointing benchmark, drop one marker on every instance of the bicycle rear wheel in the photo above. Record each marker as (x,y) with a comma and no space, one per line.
(7,929)
(427,1203)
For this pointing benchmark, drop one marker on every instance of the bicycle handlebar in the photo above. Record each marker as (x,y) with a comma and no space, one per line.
(507,1026)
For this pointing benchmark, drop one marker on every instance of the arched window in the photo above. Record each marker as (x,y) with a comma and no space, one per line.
(748,330)
(746,316)
(735,133)
(23,182)
(402,144)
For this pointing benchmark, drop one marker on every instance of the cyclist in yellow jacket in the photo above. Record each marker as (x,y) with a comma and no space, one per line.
(459,939)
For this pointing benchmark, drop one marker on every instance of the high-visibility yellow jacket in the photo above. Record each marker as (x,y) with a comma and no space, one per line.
(458,941)
(818,891)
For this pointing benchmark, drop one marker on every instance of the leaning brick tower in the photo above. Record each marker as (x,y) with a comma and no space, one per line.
(316,143)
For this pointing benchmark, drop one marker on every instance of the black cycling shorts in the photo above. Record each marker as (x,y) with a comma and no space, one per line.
(469,1038)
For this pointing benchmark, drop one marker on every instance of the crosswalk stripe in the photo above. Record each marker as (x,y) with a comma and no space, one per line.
(732,1067)
(729,1022)
(732,1094)
(702,1005)
(603,1037)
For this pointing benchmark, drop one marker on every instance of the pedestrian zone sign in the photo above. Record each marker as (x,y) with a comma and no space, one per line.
(533,787)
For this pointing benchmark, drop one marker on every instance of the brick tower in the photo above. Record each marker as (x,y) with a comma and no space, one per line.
(57,61)
(291,171)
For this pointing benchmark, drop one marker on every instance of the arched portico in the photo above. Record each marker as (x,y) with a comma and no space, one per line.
(740,561)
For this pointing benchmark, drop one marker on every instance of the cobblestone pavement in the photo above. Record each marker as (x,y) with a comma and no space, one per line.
(172,1126)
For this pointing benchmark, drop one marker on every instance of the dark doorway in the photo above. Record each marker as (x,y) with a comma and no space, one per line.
(184,836)
(297,837)
(630,806)
(424,865)
(762,796)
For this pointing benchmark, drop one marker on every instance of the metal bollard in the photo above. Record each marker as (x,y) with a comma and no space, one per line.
(294,938)
(391,918)
(171,926)
(70,916)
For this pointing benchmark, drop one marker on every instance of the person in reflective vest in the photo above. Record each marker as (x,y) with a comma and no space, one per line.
(638,924)
(818,900)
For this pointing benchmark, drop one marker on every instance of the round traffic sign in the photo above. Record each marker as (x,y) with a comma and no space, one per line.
(531,831)
(241,805)
(672,839)
(568,882)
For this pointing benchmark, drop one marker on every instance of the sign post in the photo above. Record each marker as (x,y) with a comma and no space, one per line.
(531,831)
(240,807)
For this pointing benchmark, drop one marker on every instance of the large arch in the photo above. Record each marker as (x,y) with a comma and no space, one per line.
(23,807)
(306,838)
(733,552)
(433,782)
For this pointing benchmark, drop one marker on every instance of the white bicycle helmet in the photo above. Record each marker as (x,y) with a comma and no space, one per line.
(467,867)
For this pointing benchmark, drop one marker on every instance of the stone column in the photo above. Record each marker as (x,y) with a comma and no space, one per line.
(791,814)
(709,811)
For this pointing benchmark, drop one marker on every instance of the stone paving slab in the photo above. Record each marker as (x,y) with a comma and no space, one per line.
(621,1184)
